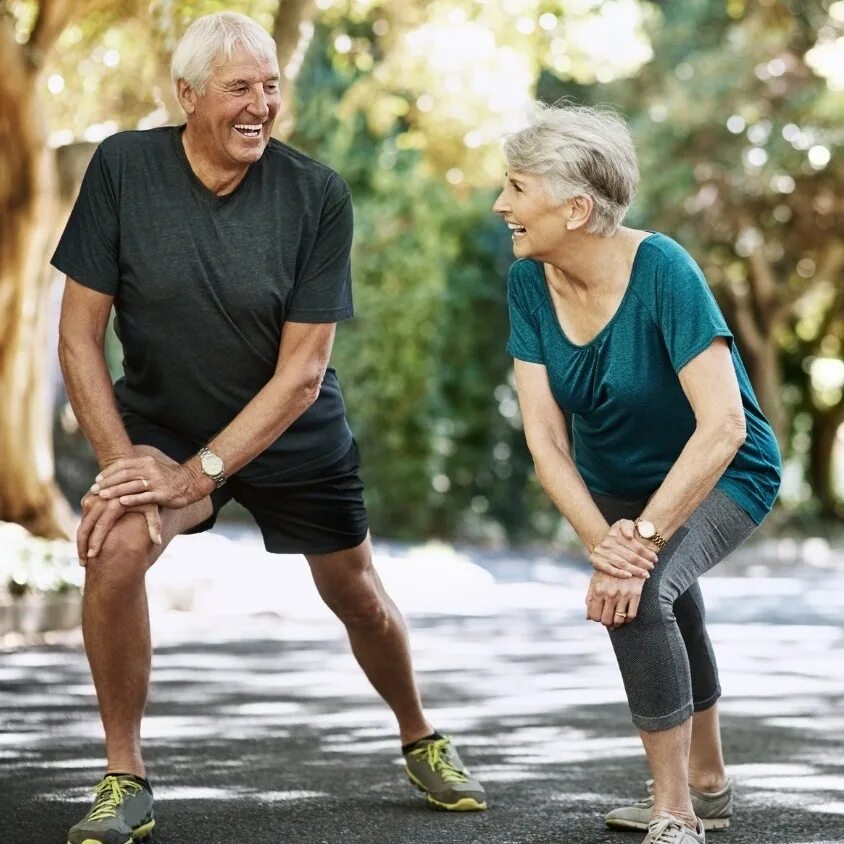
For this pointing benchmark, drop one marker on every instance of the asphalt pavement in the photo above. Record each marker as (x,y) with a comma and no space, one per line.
(261,729)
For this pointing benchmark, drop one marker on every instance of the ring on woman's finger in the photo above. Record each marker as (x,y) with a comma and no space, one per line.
(621,614)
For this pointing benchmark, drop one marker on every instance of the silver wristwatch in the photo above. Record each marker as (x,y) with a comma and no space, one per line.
(212,465)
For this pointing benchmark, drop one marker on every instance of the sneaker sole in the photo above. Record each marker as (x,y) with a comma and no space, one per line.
(464,804)
(139,835)
(709,824)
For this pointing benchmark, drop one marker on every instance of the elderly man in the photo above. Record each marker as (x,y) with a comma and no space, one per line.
(226,255)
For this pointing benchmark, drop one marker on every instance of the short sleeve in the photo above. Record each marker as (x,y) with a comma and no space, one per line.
(689,316)
(89,246)
(524,342)
(323,293)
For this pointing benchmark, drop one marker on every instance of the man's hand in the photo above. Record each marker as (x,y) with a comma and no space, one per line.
(136,481)
(620,554)
(613,601)
(99,516)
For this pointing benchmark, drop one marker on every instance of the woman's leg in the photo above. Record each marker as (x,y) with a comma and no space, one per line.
(668,757)
(706,760)
(652,653)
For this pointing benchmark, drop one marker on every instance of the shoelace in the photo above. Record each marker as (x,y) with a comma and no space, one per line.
(111,792)
(647,802)
(436,754)
(663,828)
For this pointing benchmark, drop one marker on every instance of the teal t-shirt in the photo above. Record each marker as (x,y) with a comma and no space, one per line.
(630,418)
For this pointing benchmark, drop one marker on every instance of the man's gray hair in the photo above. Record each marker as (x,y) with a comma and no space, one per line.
(211,40)
(579,150)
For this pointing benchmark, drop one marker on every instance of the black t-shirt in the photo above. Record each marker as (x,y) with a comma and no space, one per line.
(203,284)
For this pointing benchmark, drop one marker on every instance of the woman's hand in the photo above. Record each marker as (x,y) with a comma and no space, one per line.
(620,554)
(134,481)
(613,601)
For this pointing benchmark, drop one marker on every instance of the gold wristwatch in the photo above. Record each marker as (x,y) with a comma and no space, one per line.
(212,466)
(646,530)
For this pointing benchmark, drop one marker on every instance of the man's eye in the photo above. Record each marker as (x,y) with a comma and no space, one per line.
(271,88)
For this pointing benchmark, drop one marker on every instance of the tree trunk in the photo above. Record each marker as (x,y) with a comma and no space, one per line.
(825,425)
(28,493)
(767,384)
(292,33)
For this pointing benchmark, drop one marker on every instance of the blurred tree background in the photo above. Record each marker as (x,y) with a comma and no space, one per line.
(737,109)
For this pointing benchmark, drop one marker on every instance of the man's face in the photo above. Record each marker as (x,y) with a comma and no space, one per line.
(233,119)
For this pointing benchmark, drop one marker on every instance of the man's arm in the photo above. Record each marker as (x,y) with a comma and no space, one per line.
(303,357)
(84,318)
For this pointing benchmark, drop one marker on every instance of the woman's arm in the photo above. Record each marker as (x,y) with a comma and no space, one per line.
(710,384)
(612,550)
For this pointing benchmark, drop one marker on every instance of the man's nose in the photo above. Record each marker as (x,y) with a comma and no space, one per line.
(258,104)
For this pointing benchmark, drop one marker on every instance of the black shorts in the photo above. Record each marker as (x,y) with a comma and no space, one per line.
(316,512)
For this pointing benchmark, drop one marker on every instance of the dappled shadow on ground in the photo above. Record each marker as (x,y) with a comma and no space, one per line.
(264,730)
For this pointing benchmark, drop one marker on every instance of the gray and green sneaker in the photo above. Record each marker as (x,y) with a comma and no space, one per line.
(435,768)
(714,809)
(121,814)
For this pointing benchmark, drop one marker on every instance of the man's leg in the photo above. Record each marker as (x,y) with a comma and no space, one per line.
(115,624)
(350,586)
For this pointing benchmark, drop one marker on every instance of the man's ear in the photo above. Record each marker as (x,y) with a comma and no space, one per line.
(186,96)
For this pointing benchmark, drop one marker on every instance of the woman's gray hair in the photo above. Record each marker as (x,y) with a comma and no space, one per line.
(579,150)
(211,40)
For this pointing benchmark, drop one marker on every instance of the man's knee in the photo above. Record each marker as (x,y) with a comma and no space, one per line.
(358,602)
(125,553)
(361,611)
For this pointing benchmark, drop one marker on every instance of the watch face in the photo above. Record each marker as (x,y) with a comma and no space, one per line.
(646,529)
(211,464)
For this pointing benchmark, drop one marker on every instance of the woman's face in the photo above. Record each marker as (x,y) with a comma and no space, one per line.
(536,224)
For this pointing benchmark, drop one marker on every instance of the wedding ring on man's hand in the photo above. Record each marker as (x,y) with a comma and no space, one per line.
(145,482)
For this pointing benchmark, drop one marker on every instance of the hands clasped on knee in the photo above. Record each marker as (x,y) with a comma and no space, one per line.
(622,564)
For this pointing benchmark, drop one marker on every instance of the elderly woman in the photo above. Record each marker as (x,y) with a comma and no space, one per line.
(667,464)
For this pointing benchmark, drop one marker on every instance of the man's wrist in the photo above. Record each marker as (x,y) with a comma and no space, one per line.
(200,485)
(113,457)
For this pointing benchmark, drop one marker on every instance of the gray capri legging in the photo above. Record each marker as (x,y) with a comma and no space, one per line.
(664,654)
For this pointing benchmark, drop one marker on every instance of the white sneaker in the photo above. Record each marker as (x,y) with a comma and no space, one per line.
(666,829)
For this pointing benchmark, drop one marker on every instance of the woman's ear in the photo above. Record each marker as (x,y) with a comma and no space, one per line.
(578,211)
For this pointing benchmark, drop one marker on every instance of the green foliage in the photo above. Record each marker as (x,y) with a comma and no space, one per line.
(421,361)
(407,101)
